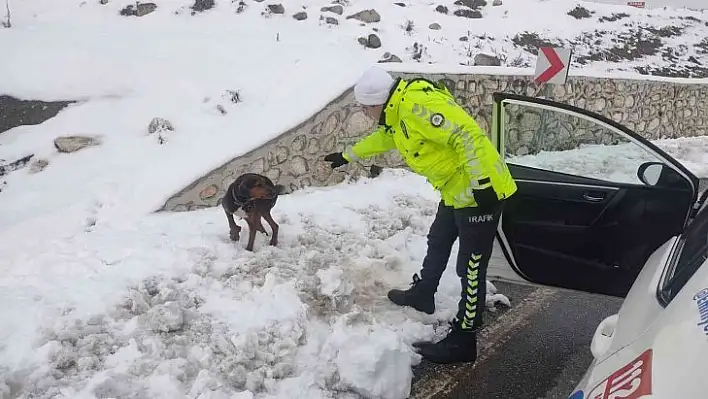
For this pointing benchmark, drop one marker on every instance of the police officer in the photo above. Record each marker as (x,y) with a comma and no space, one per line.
(438,139)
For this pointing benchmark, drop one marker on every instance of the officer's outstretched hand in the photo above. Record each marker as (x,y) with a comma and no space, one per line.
(336,160)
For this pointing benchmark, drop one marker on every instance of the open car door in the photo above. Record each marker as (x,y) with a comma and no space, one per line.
(594,199)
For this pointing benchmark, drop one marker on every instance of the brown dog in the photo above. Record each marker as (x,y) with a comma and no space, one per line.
(253,196)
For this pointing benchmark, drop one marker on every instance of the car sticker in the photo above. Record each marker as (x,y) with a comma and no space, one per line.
(630,382)
(701,299)
(577,395)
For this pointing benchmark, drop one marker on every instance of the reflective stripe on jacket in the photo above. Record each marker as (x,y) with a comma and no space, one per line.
(437,139)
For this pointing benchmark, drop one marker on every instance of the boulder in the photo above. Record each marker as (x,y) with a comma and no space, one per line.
(69,144)
(337,9)
(276,8)
(367,16)
(486,60)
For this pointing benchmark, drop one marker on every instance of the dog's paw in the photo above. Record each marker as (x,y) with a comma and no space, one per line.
(274,241)
(234,236)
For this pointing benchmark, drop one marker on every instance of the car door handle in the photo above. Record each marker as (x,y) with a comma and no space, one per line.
(593,198)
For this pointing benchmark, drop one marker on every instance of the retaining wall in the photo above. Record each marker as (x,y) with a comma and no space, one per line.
(653,109)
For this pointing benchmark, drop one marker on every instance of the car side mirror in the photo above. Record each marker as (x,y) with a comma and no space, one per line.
(650,172)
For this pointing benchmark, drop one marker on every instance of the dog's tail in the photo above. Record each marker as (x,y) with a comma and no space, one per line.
(279,189)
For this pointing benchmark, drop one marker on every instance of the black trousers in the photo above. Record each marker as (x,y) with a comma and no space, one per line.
(475,228)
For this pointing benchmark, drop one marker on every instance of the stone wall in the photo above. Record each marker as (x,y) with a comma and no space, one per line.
(652,109)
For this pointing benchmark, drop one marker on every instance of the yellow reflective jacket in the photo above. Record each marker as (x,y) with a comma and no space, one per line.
(437,139)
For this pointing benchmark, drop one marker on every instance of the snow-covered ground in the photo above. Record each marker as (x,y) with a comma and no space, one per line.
(171,64)
(166,306)
(101,298)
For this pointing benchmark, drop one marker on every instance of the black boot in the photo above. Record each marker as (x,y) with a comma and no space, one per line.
(419,296)
(460,346)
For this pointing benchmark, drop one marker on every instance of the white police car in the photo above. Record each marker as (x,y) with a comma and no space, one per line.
(617,216)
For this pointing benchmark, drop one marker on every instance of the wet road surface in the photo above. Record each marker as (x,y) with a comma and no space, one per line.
(540,348)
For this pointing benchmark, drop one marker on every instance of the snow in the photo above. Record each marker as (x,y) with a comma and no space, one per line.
(102,298)
(166,300)
(415,68)
(696,4)
(125,71)
(619,163)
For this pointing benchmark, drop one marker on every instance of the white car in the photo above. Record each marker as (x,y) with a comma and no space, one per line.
(621,219)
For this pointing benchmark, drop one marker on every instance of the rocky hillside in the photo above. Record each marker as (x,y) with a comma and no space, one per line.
(662,42)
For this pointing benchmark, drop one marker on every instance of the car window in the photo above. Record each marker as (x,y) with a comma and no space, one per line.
(691,254)
(559,141)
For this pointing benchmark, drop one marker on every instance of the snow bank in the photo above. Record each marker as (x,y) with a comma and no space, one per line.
(165,306)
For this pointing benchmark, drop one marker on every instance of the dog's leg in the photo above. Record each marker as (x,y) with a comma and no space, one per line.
(234,229)
(259,225)
(273,226)
(251,233)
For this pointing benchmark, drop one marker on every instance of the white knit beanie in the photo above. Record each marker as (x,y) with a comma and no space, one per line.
(373,87)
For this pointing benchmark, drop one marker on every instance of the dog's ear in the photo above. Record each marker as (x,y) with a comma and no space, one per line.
(279,189)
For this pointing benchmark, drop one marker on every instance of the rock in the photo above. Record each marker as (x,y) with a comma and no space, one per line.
(332,21)
(141,10)
(400,4)
(580,12)
(441,9)
(103,1)
(128,11)
(202,5)
(337,9)
(468,13)
(486,60)
(471,3)
(435,26)
(276,8)
(74,143)
(160,125)
(372,41)
(145,9)
(367,16)
(38,166)
(300,16)
(15,165)
(497,3)
(388,57)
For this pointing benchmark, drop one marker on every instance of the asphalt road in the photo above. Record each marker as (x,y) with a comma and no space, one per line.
(538,349)
(15,112)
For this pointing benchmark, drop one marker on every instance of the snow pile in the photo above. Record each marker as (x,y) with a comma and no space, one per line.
(166,306)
